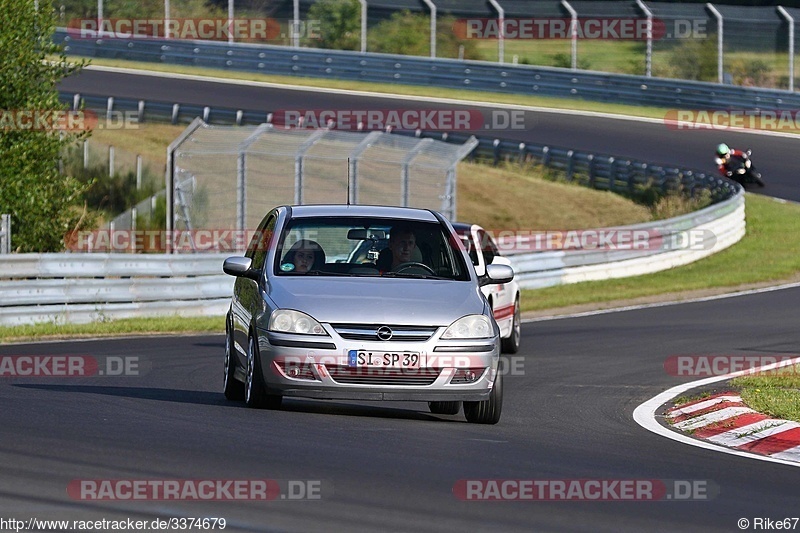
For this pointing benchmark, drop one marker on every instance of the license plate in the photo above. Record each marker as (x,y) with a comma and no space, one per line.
(364,358)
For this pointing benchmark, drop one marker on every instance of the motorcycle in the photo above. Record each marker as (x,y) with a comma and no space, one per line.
(742,170)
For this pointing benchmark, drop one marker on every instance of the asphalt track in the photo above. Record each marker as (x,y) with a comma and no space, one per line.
(567,414)
(775,156)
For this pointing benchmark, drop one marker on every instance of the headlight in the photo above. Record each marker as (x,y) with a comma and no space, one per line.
(288,321)
(470,327)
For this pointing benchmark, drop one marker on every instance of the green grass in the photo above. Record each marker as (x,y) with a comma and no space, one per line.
(775,393)
(767,253)
(128,326)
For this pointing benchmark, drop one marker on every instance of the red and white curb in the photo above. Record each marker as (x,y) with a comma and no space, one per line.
(723,422)
(724,419)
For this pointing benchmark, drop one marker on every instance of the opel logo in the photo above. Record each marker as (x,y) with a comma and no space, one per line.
(384,333)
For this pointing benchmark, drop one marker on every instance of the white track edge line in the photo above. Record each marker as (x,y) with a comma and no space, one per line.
(645,415)
(416,98)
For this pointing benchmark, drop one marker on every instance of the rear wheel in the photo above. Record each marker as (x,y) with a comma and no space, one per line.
(487,411)
(511,343)
(255,390)
(233,388)
(444,408)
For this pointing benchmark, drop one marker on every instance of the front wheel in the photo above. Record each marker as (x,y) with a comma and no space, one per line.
(255,391)
(511,343)
(487,411)
(233,388)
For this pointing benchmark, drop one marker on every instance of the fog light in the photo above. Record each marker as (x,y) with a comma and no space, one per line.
(294,372)
(470,375)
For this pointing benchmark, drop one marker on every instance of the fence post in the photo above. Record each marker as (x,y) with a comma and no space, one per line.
(570,164)
(573,32)
(432,7)
(790,20)
(648,58)
(718,16)
(5,233)
(138,172)
(591,170)
(501,21)
(110,161)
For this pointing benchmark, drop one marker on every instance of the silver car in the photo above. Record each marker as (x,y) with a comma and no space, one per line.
(362,303)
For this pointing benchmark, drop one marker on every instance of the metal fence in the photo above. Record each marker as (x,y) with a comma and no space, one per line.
(5,234)
(231,176)
(744,45)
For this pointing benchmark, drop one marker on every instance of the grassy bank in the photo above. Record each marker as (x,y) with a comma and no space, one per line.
(768,252)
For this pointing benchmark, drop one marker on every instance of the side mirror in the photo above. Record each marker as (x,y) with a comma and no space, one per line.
(497,274)
(240,267)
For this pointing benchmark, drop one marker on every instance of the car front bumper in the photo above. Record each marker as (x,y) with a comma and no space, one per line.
(321,367)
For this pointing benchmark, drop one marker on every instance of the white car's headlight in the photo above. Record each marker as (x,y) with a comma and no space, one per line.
(288,321)
(470,327)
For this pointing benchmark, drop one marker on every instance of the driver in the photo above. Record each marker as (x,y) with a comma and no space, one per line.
(402,242)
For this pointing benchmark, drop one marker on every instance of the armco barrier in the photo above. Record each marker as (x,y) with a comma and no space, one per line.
(69,287)
(441,73)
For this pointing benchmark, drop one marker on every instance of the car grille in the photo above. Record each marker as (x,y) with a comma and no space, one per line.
(383,376)
(368,332)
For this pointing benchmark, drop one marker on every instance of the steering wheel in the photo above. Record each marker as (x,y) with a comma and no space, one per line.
(413,264)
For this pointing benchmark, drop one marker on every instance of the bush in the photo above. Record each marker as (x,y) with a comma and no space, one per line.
(409,34)
(339,24)
(695,59)
(564,60)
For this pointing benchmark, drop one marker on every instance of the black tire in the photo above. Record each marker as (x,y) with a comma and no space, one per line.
(511,343)
(444,408)
(232,387)
(487,411)
(255,390)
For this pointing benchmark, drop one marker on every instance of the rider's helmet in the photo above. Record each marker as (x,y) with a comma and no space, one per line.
(723,150)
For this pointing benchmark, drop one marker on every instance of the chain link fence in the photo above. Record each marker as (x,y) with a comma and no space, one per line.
(229,177)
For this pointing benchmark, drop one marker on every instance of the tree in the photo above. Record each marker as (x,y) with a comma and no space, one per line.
(339,24)
(42,202)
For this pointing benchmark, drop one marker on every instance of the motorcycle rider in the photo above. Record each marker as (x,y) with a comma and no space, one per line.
(724,154)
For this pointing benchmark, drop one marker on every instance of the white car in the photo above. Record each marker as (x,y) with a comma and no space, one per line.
(504,298)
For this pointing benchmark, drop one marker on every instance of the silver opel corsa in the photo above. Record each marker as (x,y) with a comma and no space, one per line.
(362,303)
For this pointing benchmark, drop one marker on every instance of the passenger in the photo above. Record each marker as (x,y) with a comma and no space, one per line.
(303,256)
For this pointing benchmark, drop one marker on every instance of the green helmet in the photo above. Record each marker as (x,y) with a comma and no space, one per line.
(723,150)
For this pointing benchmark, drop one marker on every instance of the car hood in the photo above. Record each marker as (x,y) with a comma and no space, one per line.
(383,301)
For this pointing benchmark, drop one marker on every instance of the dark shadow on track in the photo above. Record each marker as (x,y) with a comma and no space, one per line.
(216,398)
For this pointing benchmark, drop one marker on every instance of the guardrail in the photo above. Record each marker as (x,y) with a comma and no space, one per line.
(87,287)
(442,73)
(5,234)
(79,288)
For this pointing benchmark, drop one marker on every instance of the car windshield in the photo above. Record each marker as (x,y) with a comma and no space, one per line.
(376,247)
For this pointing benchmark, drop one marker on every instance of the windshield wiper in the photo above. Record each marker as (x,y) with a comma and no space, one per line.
(410,275)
